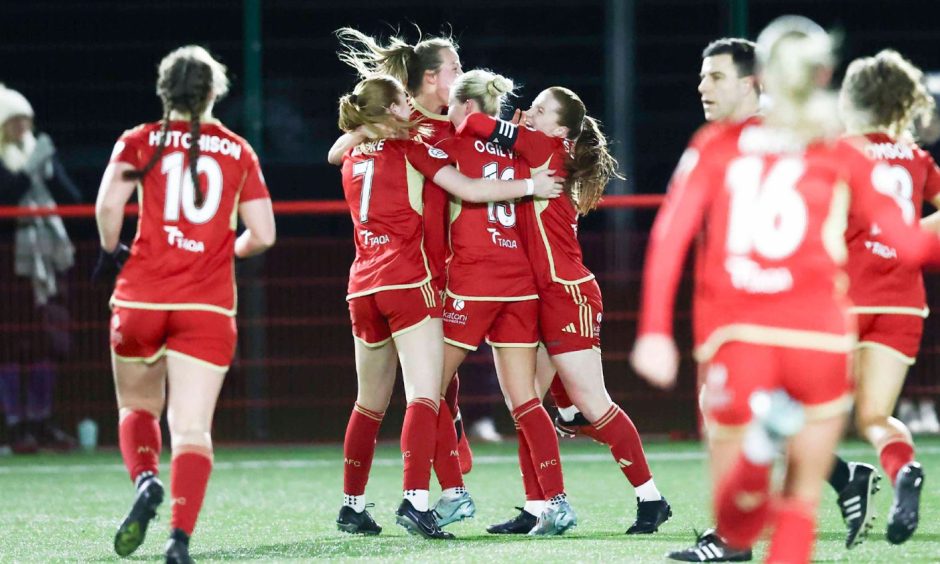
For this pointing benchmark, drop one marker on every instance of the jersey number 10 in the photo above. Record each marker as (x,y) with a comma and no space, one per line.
(180,189)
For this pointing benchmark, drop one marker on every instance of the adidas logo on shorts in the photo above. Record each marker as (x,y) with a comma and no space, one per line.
(569,328)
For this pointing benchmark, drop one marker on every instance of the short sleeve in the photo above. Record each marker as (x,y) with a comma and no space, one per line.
(932,184)
(127,149)
(255,187)
(426,159)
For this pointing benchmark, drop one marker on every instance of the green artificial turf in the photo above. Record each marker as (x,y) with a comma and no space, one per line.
(279,503)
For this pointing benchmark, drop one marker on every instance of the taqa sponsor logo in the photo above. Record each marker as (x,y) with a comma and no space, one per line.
(881,250)
(175,238)
(492,149)
(500,241)
(370,239)
(748,276)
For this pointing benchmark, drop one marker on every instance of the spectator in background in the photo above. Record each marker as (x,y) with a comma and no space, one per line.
(31,176)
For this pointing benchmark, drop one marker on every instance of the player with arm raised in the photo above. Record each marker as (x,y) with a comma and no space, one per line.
(558,134)
(775,331)
(427,69)
(491,294)
(394,306)
(173,307)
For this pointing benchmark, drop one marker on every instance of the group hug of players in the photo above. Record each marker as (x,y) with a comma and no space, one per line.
(465,228)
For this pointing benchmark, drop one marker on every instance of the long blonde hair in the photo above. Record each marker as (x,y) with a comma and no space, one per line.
(795,57)
(368,104)
(886,92)
(489,90)
(398,58)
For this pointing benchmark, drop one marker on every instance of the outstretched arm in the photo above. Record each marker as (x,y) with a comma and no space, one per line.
(655,356)
(541,185)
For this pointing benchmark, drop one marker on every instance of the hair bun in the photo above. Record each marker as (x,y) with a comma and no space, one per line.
(499,85)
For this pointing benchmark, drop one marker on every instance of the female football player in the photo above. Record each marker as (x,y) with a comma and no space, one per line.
(776,332)
(427,68)
(557,133)
(880,99)
(491,294)
(394,306)
(173,308)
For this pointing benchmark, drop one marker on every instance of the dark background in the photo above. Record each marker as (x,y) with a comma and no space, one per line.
(89,70)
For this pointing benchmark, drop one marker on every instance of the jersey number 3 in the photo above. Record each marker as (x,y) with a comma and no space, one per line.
(180,189)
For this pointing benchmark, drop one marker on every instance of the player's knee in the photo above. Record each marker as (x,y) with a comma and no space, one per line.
(866,418)
(130,403)
(194,435)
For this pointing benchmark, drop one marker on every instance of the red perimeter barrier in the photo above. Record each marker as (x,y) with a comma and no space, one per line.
(303,385)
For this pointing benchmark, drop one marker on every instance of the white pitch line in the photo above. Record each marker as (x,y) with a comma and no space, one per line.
(291,464)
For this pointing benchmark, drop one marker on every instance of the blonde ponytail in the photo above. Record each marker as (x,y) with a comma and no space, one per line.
(368,105)
(487,89)
(399,59)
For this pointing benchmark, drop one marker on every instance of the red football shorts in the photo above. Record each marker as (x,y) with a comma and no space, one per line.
(378,317)
(570,317)
(145,335)
(503,324)
(899,333)
(821,381)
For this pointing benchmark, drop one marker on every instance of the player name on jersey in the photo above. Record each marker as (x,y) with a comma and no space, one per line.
(207,143)
(886,151)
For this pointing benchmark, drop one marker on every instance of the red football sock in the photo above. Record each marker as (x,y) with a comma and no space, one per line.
(359,448)
(616,430)
(742,504)
(139,436)
(543,443)
(530,480)
(450,395)
(794,534)
(559,393)
(189,476)
(446,457)
(418,443)
(895,455)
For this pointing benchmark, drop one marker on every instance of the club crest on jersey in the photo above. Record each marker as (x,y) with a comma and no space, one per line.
(500,241)
(175,238)
(437,153)
(370,239)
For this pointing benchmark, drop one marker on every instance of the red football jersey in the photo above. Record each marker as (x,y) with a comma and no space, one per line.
(435,199)
(181,257)
(384,183)
(550,230)
(488,260)
(771,267)
(880,283)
